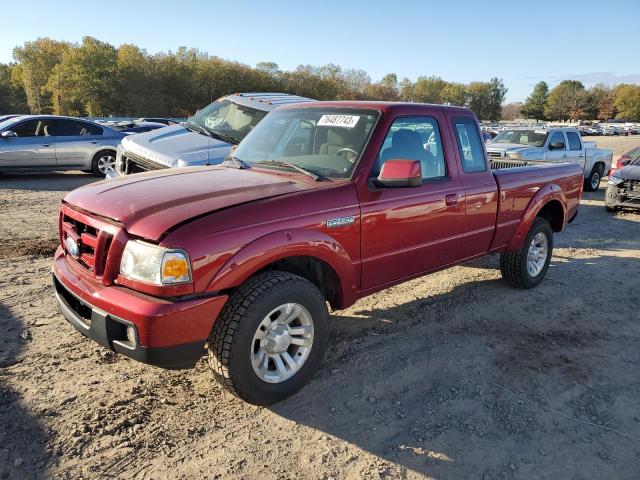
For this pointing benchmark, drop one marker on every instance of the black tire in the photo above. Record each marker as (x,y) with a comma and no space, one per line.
(594,177)
(230,342)
(513,265)
(95,163)
(611,209)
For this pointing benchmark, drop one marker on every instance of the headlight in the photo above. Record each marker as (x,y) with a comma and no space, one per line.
(153,264)
(615,180)
(119,152)
(514,156)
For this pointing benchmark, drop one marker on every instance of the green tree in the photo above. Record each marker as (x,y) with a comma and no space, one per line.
(567,101)
(454,94)
(480,99)
(37,59)
(428,89)
(627,102)
(12,96)
(535,103)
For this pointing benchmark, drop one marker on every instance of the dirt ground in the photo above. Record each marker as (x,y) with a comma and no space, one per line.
(451,376)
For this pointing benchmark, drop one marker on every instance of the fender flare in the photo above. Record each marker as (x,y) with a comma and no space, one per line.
(283,244)
(540,199)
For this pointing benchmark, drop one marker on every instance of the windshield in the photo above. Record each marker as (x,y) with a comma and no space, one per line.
(325,141)
(533,138)
(227,121)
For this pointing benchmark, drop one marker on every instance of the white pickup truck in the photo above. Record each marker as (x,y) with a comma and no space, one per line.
(517,147)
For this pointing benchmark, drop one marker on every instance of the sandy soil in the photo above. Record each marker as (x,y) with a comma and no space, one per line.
(454,375)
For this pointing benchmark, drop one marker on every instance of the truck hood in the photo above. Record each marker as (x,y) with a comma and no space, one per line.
(149,204)
(177,146)
(630,172)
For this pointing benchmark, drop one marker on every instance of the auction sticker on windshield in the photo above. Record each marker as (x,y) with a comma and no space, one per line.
(347,121)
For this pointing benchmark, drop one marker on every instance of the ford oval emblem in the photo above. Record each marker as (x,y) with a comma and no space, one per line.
(72,246)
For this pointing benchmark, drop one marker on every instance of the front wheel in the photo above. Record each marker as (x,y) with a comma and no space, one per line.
(527,267)
(270,337)
(102,162)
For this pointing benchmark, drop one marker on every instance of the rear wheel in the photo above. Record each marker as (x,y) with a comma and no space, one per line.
(592,182)
(102,162)
(270,337)
(527,267)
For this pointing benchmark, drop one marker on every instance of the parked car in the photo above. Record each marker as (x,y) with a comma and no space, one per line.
(47,142)
(204,139)
(518,145)
(142,127)
(321,202)
(623,187)
(625,159)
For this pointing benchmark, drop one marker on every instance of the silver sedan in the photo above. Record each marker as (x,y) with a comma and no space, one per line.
(48,142)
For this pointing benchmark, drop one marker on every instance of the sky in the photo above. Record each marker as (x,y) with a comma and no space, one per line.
(460,40)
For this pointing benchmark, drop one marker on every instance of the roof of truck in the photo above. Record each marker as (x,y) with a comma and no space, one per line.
(382,106)
(266,101)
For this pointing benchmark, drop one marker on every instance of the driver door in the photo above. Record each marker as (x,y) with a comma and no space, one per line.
(559,154)
(32,147)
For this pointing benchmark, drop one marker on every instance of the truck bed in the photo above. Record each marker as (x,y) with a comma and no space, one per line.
(515,183)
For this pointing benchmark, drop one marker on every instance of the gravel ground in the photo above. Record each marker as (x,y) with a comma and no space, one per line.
(454,375)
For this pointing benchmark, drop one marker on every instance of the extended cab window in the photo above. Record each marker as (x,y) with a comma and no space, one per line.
(469,145)
(414,138)
(574,141)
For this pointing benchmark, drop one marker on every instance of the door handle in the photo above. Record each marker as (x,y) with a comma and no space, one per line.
(452,199)
(564,156)
(93,141)
(46,144)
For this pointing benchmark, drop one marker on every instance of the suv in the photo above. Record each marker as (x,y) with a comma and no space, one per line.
(204,139)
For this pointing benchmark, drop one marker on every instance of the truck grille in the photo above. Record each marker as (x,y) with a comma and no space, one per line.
(92,237)
(132,163)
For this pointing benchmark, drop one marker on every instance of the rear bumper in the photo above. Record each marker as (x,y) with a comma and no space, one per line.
(168,334)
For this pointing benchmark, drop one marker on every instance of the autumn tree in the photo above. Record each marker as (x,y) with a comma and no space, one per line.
(627,102)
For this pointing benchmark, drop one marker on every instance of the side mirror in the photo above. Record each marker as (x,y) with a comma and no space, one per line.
(556,146)
(400,173)
(8,134)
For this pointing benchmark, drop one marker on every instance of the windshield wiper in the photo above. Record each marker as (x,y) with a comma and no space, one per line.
(239,164)
(292,166)
(223,137)
(194,127)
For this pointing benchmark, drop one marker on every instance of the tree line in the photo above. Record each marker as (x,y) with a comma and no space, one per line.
(570,100)
(95,78)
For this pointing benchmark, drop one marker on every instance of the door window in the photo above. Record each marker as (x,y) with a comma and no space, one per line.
(469,145)
(73,128)
(557,137)
(574,141)
(414,138)
(33,128)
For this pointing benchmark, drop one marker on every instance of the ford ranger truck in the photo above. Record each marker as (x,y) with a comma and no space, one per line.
(524,146)
(321,204)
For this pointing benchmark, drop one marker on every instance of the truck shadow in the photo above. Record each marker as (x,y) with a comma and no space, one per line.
(410,384)
(47,182)
(22,448)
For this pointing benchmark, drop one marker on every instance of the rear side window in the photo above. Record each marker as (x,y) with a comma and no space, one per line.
(469,145)
(574,141)
(72,128)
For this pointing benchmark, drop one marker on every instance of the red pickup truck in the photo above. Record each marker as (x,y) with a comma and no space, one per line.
(321,203)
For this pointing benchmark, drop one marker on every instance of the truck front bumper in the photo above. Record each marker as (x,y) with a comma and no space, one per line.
(165,333)
(623,195)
